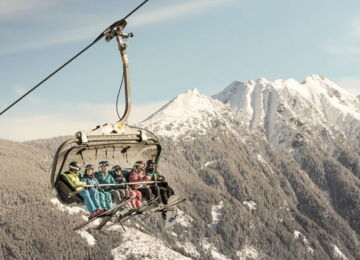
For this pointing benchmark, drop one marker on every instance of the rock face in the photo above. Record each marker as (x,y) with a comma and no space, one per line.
(270,171)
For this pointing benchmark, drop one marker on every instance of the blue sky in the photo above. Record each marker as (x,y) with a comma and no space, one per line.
(178,45)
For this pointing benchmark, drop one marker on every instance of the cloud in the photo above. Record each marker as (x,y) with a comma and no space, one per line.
(355,27)
(11,9)
(53,39)
(93,24)
(72,119)
(342,50)
(348,43)
(19,91)
(176,11)
(351,84)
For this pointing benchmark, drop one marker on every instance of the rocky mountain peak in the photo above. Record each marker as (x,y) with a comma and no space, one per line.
(281,110)
(190,110)
(284,107)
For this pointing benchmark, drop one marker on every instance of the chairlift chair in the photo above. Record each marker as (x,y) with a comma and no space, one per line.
(119,143)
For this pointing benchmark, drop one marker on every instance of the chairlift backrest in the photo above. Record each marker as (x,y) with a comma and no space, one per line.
(124,149)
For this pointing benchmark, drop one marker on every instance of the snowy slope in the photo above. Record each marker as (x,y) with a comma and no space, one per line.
(188,113)
(287,112)
(151,247)
(143,246)
(281,108)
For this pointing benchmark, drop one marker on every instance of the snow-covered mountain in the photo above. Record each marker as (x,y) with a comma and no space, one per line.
(291,149)
(270,170)
(286,111)
(285,107)
(191,112)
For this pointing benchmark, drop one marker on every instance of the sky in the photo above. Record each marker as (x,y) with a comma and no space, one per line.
(178,45)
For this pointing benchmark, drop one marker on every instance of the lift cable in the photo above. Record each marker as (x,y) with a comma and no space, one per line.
(117,23)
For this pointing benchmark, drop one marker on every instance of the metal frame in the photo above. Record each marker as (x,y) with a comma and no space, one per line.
(117,31)
(94,143)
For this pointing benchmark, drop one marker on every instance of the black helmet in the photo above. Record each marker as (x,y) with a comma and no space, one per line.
(104,163)
(116,168)
(150,164)
(89,166)
(74,166)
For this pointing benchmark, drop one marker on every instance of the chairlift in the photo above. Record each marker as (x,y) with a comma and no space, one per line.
(118,142)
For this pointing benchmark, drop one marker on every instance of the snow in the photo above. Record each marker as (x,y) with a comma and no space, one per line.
(207,164)
(283,108)
(213,250)
(189,112)
(218,256)
(248,252)
(264,162)
(338,253)
(89,238)
(284,111)
(143,246)
(189,248)
(71,210)
(310,250)
(184,220)
(216,213)
(250,204)
(299,235)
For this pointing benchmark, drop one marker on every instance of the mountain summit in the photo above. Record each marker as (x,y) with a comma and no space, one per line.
(285,106)
(189,112)
(282,110)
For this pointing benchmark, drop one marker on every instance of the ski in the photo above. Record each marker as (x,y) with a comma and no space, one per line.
(106,213)
(164,208)
(106,219)
(124,216)
(141,210)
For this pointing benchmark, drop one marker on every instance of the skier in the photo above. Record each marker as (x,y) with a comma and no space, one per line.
(163,187)
(116,172)
(73,178)
(138,175)
(100,197)
(104,177)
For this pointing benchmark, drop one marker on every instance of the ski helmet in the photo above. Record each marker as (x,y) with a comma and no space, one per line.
(89,166)
(139,166)
(104,163)
(150,164)
(116,168)
(74,166)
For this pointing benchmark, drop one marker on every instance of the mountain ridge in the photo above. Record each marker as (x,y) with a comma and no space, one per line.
(279,109)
